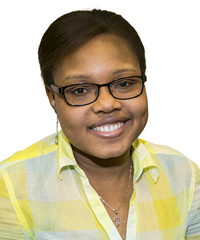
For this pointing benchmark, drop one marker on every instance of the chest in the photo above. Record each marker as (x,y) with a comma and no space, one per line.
(70,208)
(119,218)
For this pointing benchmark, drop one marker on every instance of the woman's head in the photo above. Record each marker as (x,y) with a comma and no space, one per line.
(71,31)
(95,48)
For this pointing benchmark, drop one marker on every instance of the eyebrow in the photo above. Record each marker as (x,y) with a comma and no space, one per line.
(85,76)
(78,76)
(124,70)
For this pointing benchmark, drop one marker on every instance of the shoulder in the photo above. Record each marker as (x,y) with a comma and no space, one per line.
(37,150)
(165,152)
(176,170)
(172,162)
(160,149)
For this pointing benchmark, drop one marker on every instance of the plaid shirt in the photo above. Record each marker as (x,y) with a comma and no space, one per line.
(45,195)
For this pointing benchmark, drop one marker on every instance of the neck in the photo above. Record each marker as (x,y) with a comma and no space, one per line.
(103,169)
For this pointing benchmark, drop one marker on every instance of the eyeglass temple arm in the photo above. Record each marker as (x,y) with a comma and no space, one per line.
(54,88)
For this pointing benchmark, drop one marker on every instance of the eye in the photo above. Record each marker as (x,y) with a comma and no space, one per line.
(124,83)
(80,90)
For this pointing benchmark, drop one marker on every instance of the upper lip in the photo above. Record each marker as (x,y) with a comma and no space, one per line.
(106,121)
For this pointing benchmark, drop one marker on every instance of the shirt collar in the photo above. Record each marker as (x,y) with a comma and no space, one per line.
(142,159)
(65,154)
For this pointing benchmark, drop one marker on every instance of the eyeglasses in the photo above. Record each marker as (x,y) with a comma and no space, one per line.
(86,93)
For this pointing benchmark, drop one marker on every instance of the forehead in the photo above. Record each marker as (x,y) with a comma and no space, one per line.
(103,55)
(102,44)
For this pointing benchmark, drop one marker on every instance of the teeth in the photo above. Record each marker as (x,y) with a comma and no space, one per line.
(109,128)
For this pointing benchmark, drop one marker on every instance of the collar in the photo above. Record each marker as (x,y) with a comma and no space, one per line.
(142,158)
(65,154)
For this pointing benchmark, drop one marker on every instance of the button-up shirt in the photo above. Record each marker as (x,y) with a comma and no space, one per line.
(45,195)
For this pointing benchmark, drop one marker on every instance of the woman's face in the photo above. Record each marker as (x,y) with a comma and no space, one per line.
(101,60)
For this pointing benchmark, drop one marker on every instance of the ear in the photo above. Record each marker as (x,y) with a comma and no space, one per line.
(51,96)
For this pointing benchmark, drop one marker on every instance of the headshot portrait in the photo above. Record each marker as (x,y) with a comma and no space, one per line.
(100,118)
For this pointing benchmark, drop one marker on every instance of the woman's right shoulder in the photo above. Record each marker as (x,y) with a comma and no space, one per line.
(40,148)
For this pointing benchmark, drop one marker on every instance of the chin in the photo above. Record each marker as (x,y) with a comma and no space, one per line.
(115,153)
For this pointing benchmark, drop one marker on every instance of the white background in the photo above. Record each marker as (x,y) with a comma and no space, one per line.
(170,31)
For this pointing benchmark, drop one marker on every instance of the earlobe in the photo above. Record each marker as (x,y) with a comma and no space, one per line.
(51,97)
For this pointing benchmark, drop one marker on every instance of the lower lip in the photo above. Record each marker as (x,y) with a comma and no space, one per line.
(112,134)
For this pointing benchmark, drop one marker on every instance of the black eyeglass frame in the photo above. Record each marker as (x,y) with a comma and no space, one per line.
(61,90)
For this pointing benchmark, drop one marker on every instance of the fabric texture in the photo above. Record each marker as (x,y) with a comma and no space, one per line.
(45,195)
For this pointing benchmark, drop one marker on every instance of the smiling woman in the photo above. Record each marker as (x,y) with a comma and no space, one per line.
(96,176)
(101,59)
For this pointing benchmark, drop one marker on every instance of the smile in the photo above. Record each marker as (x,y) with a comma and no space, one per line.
(108,128)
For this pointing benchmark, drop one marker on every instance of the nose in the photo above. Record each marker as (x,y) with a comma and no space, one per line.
(106,102)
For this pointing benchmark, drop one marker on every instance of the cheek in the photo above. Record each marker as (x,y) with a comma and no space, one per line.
(143,113)
(71,118)
(139,110)
(143,105)
(144,109)
(68,119)
(139,107)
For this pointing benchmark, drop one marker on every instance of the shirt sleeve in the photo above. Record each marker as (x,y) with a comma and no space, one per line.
(193,231)
(10,226)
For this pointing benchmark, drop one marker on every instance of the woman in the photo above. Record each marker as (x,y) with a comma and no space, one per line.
(95,179)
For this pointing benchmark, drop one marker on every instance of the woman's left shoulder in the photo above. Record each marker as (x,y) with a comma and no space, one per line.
(171,160)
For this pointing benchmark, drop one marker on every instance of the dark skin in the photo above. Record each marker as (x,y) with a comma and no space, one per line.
(111,182)
(103,155)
